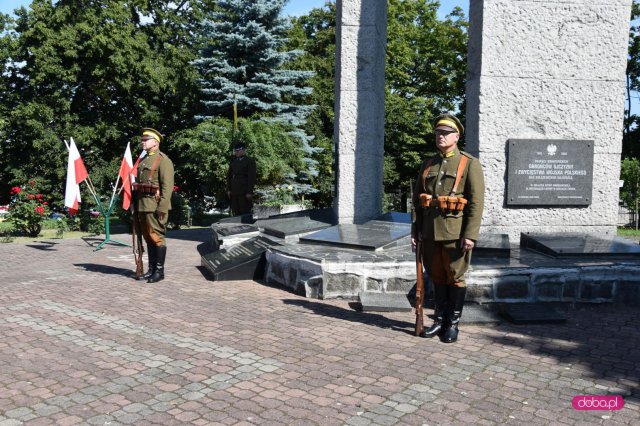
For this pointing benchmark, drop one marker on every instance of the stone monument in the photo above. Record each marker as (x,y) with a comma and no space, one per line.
(361,38)
(546,87)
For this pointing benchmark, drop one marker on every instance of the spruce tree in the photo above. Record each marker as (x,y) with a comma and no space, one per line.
(244,57)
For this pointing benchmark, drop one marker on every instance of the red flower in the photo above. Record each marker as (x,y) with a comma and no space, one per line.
(40,210)
(32,183)
(176,188)
(46,203)
(15,190)
(39,196)
(31,196)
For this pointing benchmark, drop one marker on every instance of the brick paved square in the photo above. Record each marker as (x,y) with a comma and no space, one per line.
(81,343)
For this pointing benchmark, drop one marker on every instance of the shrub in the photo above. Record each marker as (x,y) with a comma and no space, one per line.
(28,209)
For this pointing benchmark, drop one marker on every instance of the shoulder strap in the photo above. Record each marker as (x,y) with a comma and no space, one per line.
(461,167)
(153,168)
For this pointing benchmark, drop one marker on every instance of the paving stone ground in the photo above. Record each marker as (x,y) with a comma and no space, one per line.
(82,343)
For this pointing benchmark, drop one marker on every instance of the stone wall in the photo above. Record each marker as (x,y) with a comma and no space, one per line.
(547,70)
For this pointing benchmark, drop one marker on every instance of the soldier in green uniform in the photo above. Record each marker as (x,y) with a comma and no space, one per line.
(240,181)
(153,201)
(449,199)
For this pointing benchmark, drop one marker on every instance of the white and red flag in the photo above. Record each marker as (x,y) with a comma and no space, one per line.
(76,173)
(127,173)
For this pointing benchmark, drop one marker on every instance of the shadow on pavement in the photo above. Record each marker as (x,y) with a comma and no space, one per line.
(353,316)
(601,341)
(43,245)
(105,269)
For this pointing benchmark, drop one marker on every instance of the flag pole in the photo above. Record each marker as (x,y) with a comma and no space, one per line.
(106,214)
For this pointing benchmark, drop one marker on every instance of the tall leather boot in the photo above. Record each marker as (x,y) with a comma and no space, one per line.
(440,301)
(456,303)
(153,259)
(158,274)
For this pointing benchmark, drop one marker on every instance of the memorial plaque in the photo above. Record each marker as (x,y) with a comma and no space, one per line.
(244,261)
(549,172)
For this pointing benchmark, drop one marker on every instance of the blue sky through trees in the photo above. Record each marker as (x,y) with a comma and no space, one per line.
(293,8)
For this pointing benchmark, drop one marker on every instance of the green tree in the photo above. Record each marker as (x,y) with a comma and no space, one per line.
(630,174)
(205,153)
(98,72)
(425,76)
(631,139)
(315,34)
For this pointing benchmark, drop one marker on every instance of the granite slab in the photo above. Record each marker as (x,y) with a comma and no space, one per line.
(584,246)
(371,236)
(289,226)
(243,261)
(495,245)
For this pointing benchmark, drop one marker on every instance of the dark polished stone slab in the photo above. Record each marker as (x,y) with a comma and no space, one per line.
(322,215)
(243,261)
(226,231)
(494,245)
(384,302)
(535,313)
(580,245)
(289,226)
(373,235)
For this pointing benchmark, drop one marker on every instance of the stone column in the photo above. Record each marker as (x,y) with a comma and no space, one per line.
(547,70)
(359,109)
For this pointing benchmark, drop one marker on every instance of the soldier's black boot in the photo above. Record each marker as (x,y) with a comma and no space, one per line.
(440,301)
(456,303)
(158,274)
(153,259)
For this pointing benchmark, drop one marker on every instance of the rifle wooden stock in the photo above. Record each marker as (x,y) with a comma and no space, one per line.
(138,247)
(419,305)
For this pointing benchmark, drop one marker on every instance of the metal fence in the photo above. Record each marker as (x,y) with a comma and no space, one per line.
(626,217)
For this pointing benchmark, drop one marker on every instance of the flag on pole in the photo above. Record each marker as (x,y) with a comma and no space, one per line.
(125,173)
(235,113)
(76,173)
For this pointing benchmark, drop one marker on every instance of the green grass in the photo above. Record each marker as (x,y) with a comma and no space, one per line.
(629,232)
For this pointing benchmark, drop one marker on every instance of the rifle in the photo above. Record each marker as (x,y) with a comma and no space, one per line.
(138,247)
(419,290)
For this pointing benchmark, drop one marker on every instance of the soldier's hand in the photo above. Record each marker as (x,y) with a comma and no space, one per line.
(413,244)
(159,215)
(466,244)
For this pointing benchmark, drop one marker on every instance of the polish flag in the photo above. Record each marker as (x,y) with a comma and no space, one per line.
(76,173)
(125,173)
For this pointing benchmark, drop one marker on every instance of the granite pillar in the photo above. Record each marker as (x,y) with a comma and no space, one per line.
(359,109)
(547,70)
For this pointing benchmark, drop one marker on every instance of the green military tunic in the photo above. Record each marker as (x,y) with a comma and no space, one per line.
(154,208)
(448,227)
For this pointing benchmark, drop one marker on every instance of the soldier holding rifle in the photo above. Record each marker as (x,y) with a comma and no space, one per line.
(153,201)
(448,198)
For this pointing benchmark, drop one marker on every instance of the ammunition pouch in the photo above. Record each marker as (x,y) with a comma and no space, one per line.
(146,188)
(452,204)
